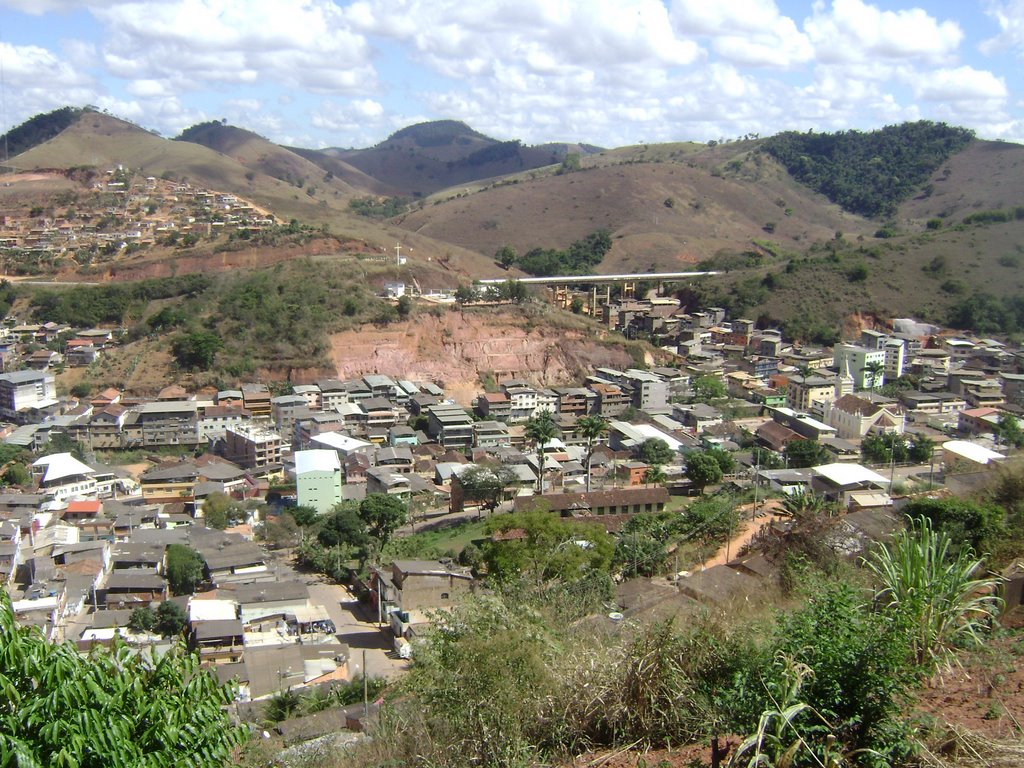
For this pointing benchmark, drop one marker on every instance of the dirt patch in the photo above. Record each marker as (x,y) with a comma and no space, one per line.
(455,348)
(986,694)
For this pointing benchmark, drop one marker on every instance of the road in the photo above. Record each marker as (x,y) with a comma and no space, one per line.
(355,628)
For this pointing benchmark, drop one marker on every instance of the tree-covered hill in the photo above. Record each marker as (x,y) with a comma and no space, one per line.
(37,129)
(868,173)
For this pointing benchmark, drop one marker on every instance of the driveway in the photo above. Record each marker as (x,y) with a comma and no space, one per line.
(355,626)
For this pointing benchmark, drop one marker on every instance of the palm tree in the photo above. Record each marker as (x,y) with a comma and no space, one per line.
(800,506)
(593,428)
(542,429)
(655,475)
(874,368)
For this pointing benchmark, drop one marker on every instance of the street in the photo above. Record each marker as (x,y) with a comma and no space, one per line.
(350,620)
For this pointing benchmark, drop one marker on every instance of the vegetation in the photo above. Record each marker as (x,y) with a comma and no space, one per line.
(580,257)
(37,129)
(541,429)
(868,173)
(86,306)
(185,569)
(377,208)
(60,707)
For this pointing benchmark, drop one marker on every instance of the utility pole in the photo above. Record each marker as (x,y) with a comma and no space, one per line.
(366,690)
(398,254)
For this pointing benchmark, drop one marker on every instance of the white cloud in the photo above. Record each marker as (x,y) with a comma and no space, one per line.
(305,44)
(960,84)
(853,30)
(1009,15)
(750,32)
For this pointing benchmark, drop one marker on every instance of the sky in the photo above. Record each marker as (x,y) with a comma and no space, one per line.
(318,73)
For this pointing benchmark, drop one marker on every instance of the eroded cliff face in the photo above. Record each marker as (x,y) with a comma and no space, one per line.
(455,348)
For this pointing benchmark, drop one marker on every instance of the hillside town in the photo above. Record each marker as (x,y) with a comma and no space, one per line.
(87,545)
(104,215)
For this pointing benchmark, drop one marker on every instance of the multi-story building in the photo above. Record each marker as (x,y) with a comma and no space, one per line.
(214,419)
(648,391)
(26,395)
(252,446)
(318,479)
(450,425)
(612,400)
(522,400)
(807,393)
(163,423)
(256,399)
(332,394)
(861,363)
(575,401)
(62,477)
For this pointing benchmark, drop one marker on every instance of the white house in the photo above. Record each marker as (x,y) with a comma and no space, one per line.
(63,477)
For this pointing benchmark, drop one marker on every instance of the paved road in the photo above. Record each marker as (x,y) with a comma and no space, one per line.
(355,628)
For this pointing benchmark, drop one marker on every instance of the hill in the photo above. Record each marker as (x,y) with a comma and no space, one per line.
(36,130)
(427,157)
(868,173)
(258,154)
(666,207)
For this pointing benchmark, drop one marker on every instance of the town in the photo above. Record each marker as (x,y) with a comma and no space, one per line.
(183,531)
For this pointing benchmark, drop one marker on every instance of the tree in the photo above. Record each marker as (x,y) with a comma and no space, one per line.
(61,442)
(655,475)
(506,256)
(592,429)
(466,294)
(383,515)
(16,474)
(195,351)
(343,525)
(725,460)
(966,522)
(765,458)
(1009,431)
(142,620)
(280,530)
(170,619)
(804,453)
(922,449)
(404,306)
(711,520)
(486,485)
(874,370)
(703,470)
(185,569)
(217,510)
(654,450)
(63,708)
(800,506)
(549,549)
(304,516)
(707,388)
(542,430)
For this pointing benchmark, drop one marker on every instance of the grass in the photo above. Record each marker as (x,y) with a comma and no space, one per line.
(437,543)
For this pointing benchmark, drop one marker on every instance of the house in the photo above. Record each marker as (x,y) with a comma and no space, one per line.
(450,425)
(419,585)
(621,501)
(268,598)
(775,436)
(61,477)
(399,459)
(256,399)
(838,481)
(318,479)
(132,588)
(965,454)
(383,480)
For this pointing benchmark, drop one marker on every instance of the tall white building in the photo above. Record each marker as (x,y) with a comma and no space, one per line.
(23,392)
(318,478)
(860,361)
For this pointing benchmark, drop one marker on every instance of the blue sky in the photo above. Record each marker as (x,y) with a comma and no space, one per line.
(607,72)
